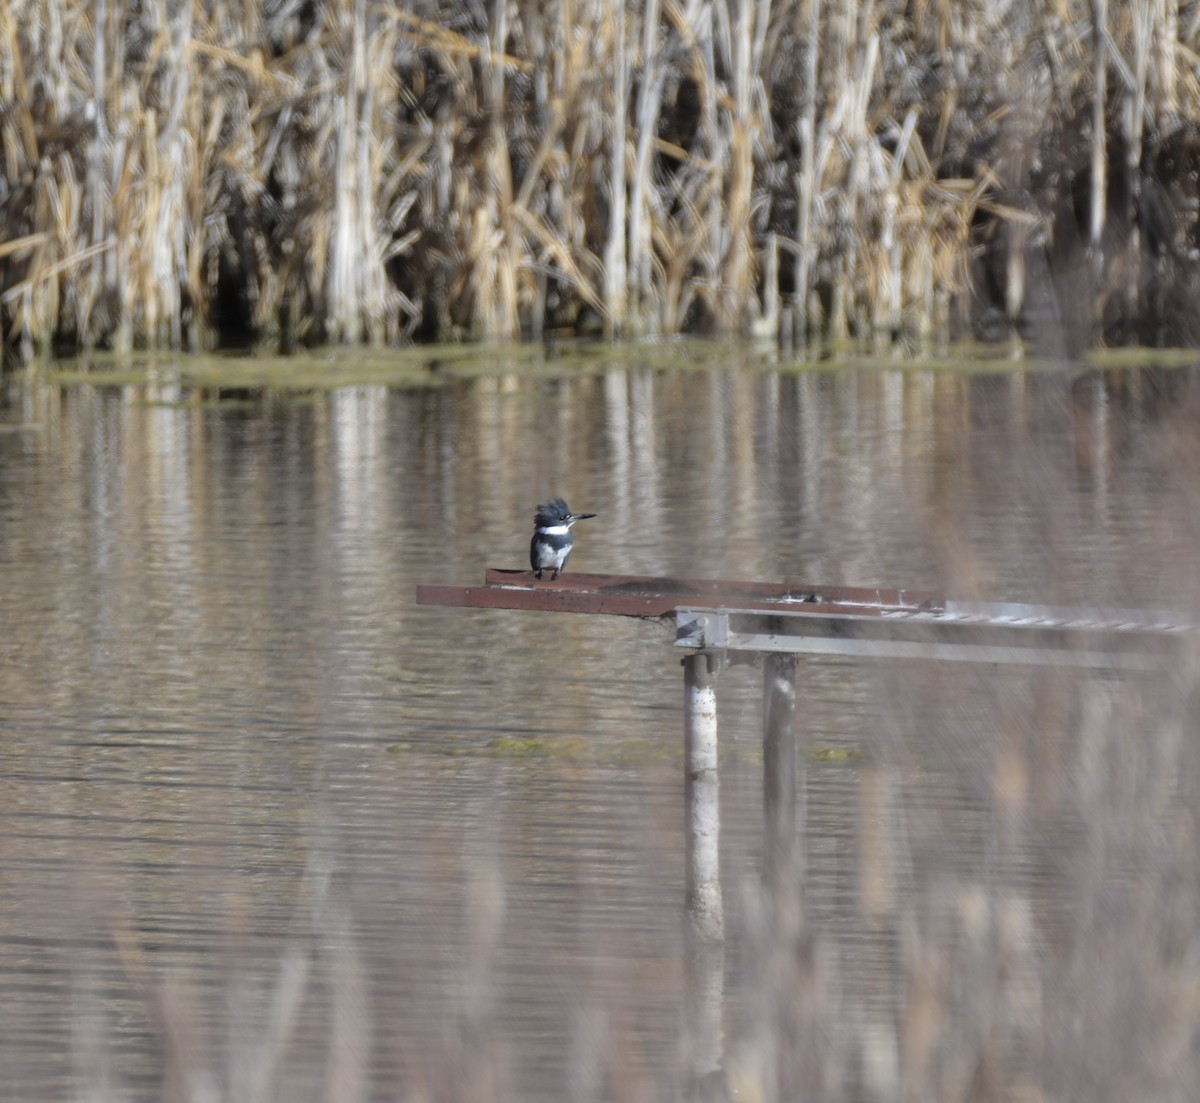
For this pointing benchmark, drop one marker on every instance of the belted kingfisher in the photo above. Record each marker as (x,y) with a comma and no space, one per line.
(552,540)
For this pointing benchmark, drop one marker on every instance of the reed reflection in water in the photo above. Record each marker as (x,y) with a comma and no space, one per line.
(269,829)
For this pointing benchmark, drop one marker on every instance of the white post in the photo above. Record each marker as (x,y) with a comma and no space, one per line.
(701,797)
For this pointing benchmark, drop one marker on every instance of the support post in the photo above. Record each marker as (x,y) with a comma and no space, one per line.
(779,766)
(706,919)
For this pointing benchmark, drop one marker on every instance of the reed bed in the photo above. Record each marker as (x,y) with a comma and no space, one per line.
(189,174)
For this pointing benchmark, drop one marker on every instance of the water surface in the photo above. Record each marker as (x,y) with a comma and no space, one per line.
(269,828)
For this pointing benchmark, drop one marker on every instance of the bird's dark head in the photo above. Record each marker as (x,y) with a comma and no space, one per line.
(556,512)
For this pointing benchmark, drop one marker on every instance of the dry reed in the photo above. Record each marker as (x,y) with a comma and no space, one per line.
(183,175)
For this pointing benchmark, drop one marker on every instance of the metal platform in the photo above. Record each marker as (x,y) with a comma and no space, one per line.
(878,622)
(774,622)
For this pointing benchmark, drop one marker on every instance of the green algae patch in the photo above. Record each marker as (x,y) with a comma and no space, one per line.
(101,377)
(427,749)
(572,750)
(318,370)
(835,756)
(510,747)
(305,374)
(583,750)
(1137,357)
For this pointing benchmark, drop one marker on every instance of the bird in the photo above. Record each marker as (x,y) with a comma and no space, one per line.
(552,540)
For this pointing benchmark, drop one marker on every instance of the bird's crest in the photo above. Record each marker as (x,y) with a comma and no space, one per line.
(554,512)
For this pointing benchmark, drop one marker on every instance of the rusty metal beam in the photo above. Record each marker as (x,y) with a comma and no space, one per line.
(729,592)
(547,597)
(637,596)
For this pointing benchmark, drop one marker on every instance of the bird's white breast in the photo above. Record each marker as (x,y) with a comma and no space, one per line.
(548,555)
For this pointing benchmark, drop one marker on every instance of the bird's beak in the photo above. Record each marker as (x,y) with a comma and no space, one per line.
(581,516)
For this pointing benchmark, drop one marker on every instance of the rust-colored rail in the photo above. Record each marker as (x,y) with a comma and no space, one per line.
(638,596)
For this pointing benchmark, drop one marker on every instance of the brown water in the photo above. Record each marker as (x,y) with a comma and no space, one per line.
(270,830)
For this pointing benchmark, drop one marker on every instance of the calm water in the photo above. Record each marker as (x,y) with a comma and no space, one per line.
(270,830)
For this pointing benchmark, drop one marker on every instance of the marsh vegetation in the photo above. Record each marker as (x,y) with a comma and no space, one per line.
(185,175)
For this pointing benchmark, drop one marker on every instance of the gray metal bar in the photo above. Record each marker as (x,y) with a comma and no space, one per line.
(1021,614)
(1124,644)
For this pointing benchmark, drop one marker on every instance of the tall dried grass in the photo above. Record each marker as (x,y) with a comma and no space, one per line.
(181,174)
